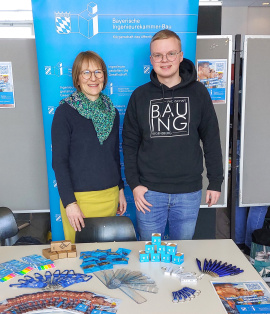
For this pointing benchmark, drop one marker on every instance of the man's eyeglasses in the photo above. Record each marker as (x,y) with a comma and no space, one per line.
(171,56)
(86,74)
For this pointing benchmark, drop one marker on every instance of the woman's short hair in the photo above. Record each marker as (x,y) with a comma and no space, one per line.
(165,34)
(89,56)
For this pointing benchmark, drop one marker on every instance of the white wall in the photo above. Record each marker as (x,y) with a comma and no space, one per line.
(234,20)
(245,21)
(258,21)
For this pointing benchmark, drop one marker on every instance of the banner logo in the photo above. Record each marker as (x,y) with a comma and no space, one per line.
(62,23)
(51,110)
(84,23)
(58,70)
(146,69)
(169,117)
(58,217)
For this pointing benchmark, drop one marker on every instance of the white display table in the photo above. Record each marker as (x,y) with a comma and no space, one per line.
(207,302)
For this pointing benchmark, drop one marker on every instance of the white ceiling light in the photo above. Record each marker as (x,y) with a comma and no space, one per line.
(210,2)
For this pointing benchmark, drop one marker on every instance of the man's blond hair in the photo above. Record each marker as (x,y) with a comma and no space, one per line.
(165,34)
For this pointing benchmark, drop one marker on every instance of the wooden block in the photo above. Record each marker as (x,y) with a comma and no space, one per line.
(57,246)
(62,254)
(73,252)
(47,253)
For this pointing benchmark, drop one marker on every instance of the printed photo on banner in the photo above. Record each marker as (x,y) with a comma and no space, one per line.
(6,86)
(213,74)
(243,297)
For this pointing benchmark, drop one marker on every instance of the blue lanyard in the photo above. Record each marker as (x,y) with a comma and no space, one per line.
(52,281)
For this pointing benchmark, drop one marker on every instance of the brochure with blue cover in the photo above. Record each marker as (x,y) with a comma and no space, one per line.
(243,297)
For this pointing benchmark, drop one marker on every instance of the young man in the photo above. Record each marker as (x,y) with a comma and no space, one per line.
(164,123)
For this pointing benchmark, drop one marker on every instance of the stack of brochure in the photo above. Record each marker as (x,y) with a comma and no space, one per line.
(60,302)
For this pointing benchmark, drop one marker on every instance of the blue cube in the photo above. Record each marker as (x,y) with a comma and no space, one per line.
(144,257)
(178,258)
(156,238)
(165,258)
(149,248)
(161,248)
(155,257)
(171,248)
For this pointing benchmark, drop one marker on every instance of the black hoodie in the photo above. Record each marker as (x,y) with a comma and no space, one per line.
(161,136)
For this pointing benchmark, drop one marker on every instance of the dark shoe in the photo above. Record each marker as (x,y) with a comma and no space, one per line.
(241,246)
(247,250)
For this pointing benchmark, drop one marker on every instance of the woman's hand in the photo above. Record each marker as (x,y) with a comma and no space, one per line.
(75,216)
(122,207)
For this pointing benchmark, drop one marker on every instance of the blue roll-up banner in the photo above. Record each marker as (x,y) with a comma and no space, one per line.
(120,32)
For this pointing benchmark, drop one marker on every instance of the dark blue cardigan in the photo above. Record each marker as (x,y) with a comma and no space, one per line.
(79,161)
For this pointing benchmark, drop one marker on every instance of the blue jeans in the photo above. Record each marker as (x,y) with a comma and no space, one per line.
(246,221)
(181,211)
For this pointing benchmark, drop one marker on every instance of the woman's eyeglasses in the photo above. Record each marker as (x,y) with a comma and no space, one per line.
(86,74)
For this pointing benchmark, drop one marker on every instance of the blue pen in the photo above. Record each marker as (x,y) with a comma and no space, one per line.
(222,267)
(217,266)
(209,264)
(227,269)
(240,271)
(204,264)
(236,271)
(225,272)
(225,266)
(199,264)
(213,267)
(230,272)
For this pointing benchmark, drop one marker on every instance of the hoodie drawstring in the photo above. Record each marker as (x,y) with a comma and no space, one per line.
(163,94)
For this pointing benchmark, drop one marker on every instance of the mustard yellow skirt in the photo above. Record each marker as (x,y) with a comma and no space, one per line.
(102,203)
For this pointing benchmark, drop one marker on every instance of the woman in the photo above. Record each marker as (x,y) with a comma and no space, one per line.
(85,148)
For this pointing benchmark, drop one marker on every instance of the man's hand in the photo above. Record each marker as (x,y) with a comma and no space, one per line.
(212,197)
(139,199)
(122,207)
(75,216)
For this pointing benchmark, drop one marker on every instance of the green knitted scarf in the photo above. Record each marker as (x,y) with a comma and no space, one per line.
(100,111)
